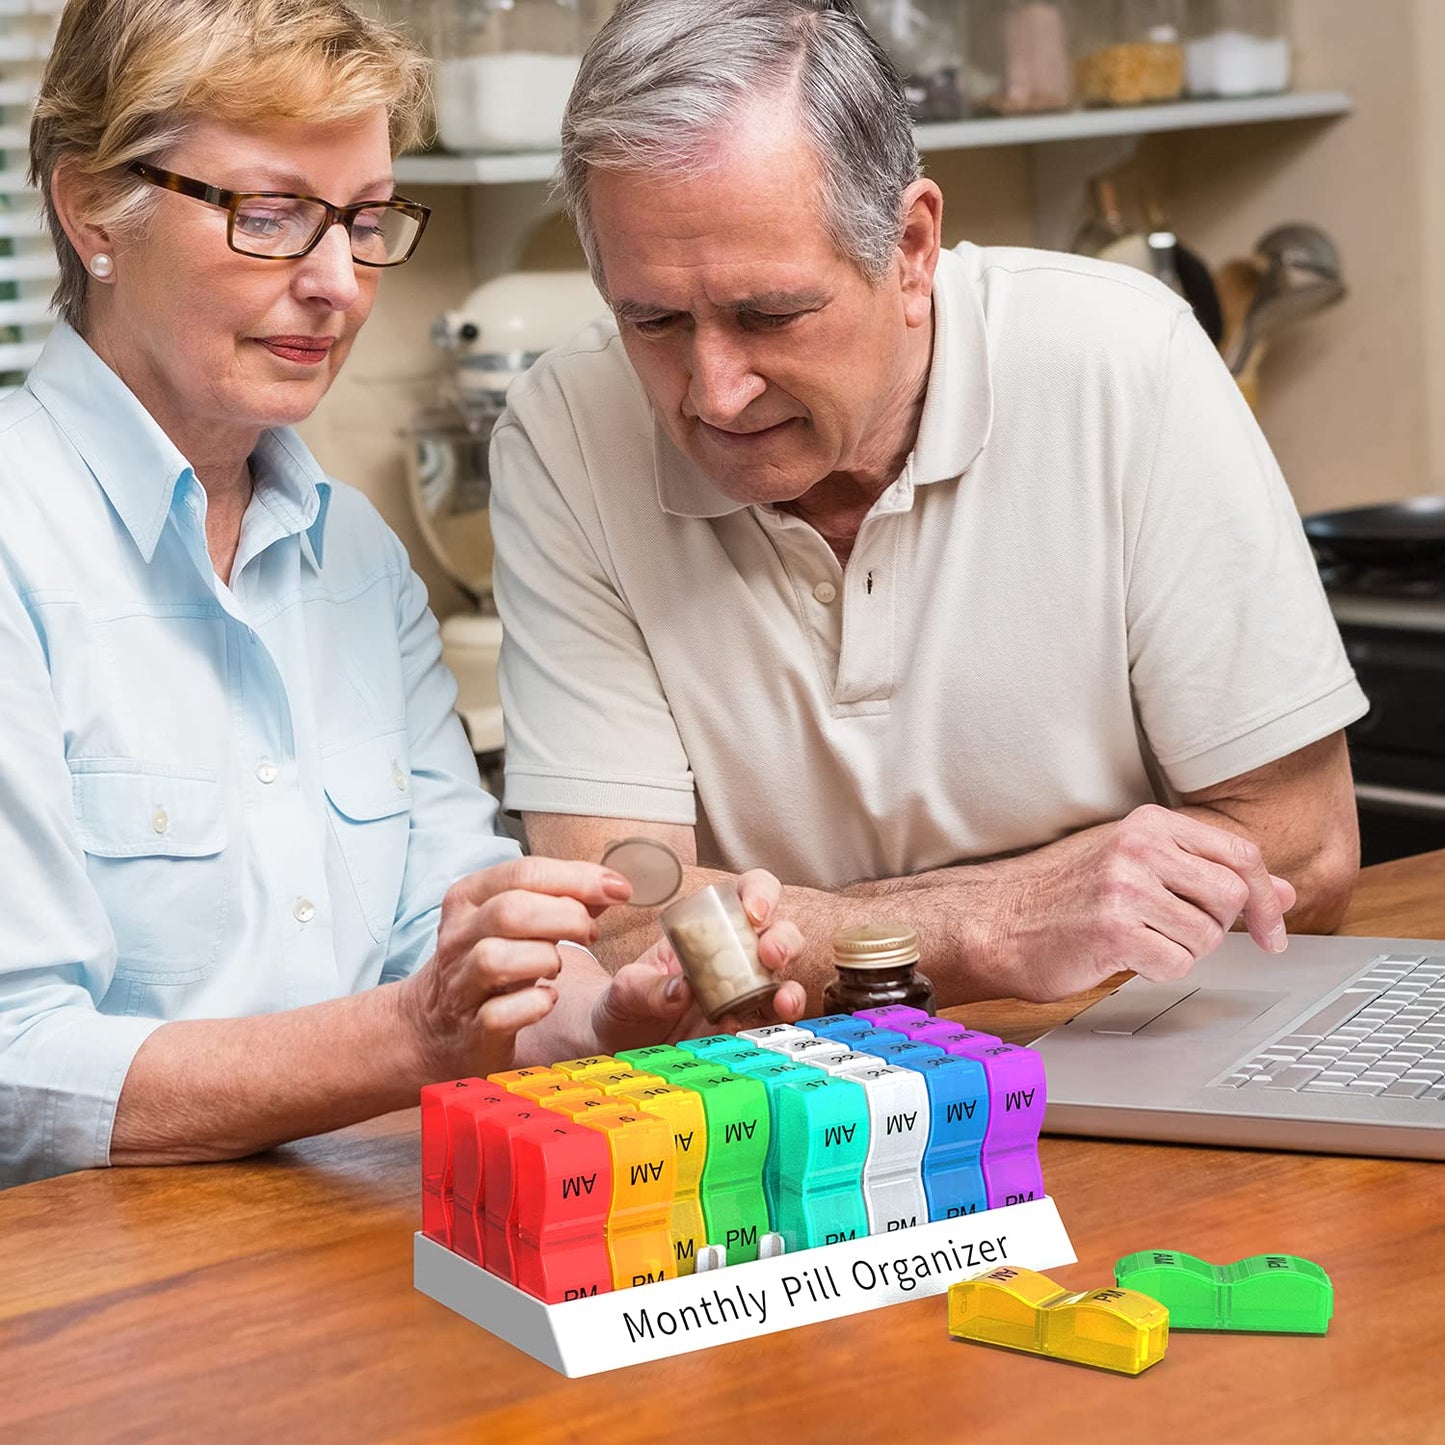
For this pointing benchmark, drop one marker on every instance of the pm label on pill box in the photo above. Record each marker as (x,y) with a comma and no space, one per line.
(671,1317)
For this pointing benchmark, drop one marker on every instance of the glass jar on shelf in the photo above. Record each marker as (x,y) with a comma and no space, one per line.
(505,69)
(1129,52)
(1018,56)
(925,39)
(1237,47)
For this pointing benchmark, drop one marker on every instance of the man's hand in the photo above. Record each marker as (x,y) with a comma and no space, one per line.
(496,957)
(650,1002)
(1154,893)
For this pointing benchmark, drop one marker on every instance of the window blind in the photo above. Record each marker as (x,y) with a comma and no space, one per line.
(28,269)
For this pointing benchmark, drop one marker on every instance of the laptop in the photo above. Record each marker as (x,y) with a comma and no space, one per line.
(1336,1046)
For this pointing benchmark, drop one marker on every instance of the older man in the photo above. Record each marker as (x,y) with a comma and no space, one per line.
(920,577)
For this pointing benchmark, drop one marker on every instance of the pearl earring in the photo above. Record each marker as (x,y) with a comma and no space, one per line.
(102,266)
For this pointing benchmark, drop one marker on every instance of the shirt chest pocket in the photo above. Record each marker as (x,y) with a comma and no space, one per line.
(368,786)
(155,846)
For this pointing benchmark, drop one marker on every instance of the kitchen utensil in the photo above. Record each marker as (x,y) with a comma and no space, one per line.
(1302,276)
(1106,236)
(1185,272)
(1407,535)
(1163,249)
(1105,225)
(1236,284)
(1132,250)
(1200,291)
(1278,305)
(1302,247)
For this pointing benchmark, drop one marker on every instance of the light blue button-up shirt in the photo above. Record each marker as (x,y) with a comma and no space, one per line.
(214,800)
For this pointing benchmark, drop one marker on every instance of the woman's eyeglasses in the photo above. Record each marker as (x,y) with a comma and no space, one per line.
(280,226)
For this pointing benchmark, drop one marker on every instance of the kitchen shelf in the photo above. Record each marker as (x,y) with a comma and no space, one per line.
(438,169)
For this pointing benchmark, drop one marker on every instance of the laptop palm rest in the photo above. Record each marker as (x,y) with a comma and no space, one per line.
(1178,1008)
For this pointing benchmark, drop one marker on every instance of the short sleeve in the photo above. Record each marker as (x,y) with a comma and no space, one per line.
(1235,659)
(588,726)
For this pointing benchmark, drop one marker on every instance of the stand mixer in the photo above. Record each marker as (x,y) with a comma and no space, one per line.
(493,337)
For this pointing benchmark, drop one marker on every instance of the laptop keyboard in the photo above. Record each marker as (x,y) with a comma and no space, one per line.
(1384,1035)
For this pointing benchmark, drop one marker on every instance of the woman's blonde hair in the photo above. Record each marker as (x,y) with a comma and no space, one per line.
(128,78)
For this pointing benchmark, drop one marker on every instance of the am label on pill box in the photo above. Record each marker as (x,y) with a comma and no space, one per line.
(742,1301)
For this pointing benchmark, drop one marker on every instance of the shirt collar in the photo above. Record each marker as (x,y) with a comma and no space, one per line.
(957,407)
(292,486)
(138,466)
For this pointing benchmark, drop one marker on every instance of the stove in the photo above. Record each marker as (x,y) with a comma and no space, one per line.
(1393,624)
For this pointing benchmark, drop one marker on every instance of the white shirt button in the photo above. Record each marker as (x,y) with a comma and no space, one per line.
(304,911)
(398,778)
(267,771)
(825,592)
(161,821)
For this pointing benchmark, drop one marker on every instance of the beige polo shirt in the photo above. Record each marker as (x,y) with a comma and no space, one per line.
(1090,573)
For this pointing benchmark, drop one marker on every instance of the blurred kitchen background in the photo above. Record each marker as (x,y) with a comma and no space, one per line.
(1176,135)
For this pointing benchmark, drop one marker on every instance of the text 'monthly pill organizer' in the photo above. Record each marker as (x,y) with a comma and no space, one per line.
(581,1210)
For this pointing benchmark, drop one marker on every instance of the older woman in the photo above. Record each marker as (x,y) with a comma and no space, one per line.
(236,799)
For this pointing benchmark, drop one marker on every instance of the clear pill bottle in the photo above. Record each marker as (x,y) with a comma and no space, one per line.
(877,965)
(717,946)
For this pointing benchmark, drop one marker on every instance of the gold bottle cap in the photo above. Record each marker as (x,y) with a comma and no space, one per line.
(875,945)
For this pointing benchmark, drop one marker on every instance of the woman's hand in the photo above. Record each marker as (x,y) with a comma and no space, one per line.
(496,959)
(650,1002)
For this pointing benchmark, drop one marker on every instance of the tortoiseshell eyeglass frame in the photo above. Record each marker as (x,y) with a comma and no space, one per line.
(232,201)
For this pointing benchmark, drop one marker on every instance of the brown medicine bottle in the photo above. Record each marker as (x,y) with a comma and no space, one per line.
(877,965)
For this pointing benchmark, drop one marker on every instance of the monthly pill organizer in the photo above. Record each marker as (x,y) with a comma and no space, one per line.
(613,1176)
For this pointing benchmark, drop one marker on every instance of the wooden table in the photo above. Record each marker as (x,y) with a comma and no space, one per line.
(272,1300)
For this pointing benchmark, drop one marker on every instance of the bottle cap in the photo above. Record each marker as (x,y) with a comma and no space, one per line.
(875,945)
(652,868)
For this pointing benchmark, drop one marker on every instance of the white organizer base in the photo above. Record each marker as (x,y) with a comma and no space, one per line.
(675,1316)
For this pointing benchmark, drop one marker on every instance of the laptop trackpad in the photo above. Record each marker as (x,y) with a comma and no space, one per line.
(1177,1008)
(1213,1011)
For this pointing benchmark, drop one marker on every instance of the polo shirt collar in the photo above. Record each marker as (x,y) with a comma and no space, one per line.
(138,466)
(957,407)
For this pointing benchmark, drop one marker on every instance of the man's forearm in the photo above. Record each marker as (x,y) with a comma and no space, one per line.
(1323,874)
(954,925)
(1149,891)
(964,913)
(224,1088)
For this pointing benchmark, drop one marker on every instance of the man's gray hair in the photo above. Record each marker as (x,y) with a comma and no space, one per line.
(664,79)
